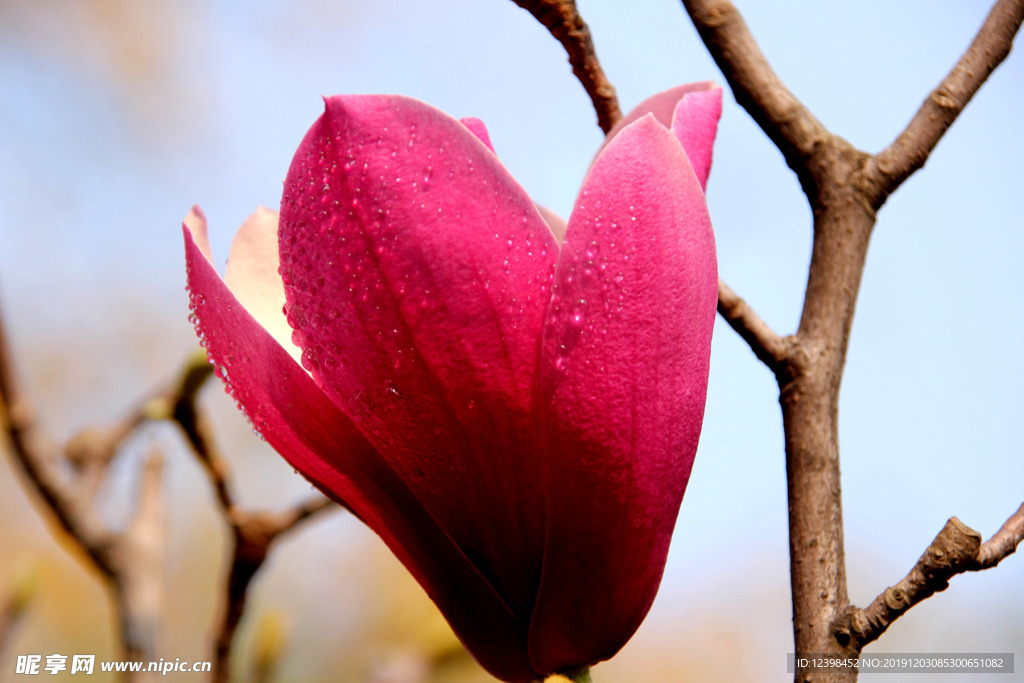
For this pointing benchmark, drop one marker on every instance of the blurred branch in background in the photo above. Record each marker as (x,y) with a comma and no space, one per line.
(251,532)
(131,561)
(66,480)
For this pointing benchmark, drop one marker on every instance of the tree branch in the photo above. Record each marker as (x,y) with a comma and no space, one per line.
(755,85)
(769,347)
(845,187)
(956,549)
(1004,543)
(251,532)
(66,481)
(180,407)
(909,151)
(142,594)
(301,512)
(563,21)
(38,459)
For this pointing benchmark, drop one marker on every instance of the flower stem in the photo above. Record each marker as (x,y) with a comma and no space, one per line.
(578,676)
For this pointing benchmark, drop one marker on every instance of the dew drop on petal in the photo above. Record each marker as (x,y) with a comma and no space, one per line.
(579,310)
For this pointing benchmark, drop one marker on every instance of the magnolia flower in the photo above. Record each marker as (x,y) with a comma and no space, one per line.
(515,414)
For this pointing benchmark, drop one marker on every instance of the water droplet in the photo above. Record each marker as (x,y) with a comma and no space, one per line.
(389,387)
(579,310)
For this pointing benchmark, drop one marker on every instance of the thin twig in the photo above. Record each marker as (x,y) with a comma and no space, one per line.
(303,511)
(179,406)
(956,549)
(1004,542)
(909,151)
(563,21)
(91,450)
(769,347)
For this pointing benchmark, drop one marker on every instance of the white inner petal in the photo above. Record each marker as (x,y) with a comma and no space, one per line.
(252,276)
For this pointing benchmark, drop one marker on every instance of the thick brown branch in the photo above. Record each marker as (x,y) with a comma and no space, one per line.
(563,21)
(910,150)
(845,187)
(837,179)
(770,348)
(755,85)
(957,549)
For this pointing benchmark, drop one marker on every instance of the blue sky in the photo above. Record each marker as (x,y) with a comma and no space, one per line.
(100,158)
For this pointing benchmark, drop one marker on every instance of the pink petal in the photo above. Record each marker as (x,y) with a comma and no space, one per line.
(555,222)
(697,127)
(477,128)
(417,274)
(662,105)
(195,221)
(253,278)
(624,370)
(316,438)
(694,124)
